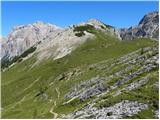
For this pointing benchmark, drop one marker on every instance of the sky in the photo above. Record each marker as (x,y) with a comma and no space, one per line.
(115,13)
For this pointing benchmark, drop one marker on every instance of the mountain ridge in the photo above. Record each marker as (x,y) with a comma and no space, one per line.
(23,37)
(84,71)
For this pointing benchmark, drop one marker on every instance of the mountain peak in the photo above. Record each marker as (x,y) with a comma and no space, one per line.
(94,22)
(37,24)
(148,27)
(41,24)
(150,17)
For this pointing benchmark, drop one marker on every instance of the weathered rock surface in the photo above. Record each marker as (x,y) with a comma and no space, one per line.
(97,86)
(148,27)
(87,89)
(103,27)
(133,85)
(117,111)
(25,36)
(157,114)
(61,44)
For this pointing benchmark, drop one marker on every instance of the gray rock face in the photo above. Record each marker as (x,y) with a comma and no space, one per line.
(117,111)
(148,27)
(24,36)
(96,86)
(156,114)
(133,85)
(107,29)
(87,89)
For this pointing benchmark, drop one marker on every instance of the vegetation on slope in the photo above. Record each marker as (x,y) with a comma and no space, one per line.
(30,92)
(6,63)
(80,29)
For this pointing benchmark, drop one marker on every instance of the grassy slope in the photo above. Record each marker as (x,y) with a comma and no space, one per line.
(21,83)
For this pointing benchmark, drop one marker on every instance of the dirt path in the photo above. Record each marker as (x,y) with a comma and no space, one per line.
(70,100)
(52,112)
(58,93)
(55,104)
(31,84)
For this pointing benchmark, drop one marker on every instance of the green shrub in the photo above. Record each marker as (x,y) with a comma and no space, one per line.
(108,26)
(19,60)
(80,34)
(27,52)
(109,113)
(6,63)
(83,28)
(103,27)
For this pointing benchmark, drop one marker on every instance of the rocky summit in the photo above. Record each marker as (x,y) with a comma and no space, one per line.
(148,27)
(88,70)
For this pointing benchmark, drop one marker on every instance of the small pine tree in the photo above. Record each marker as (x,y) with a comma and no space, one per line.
(142,51)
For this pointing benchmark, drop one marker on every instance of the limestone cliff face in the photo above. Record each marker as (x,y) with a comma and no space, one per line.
(148,27)
(23,37)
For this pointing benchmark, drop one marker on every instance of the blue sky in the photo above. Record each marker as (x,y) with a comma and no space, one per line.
(118,14)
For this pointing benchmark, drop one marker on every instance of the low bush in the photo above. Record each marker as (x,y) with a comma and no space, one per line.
(80,34)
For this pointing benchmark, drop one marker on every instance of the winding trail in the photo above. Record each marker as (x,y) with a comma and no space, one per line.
(52,112)
(55,104)
(31,84)
(58,93)
(70,100)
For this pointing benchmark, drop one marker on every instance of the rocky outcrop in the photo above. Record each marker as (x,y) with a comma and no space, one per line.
(108,29)
(117,111)
(133,85)
(148,27)
(143,63)
(24,36)
(156,114)
(87,89)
